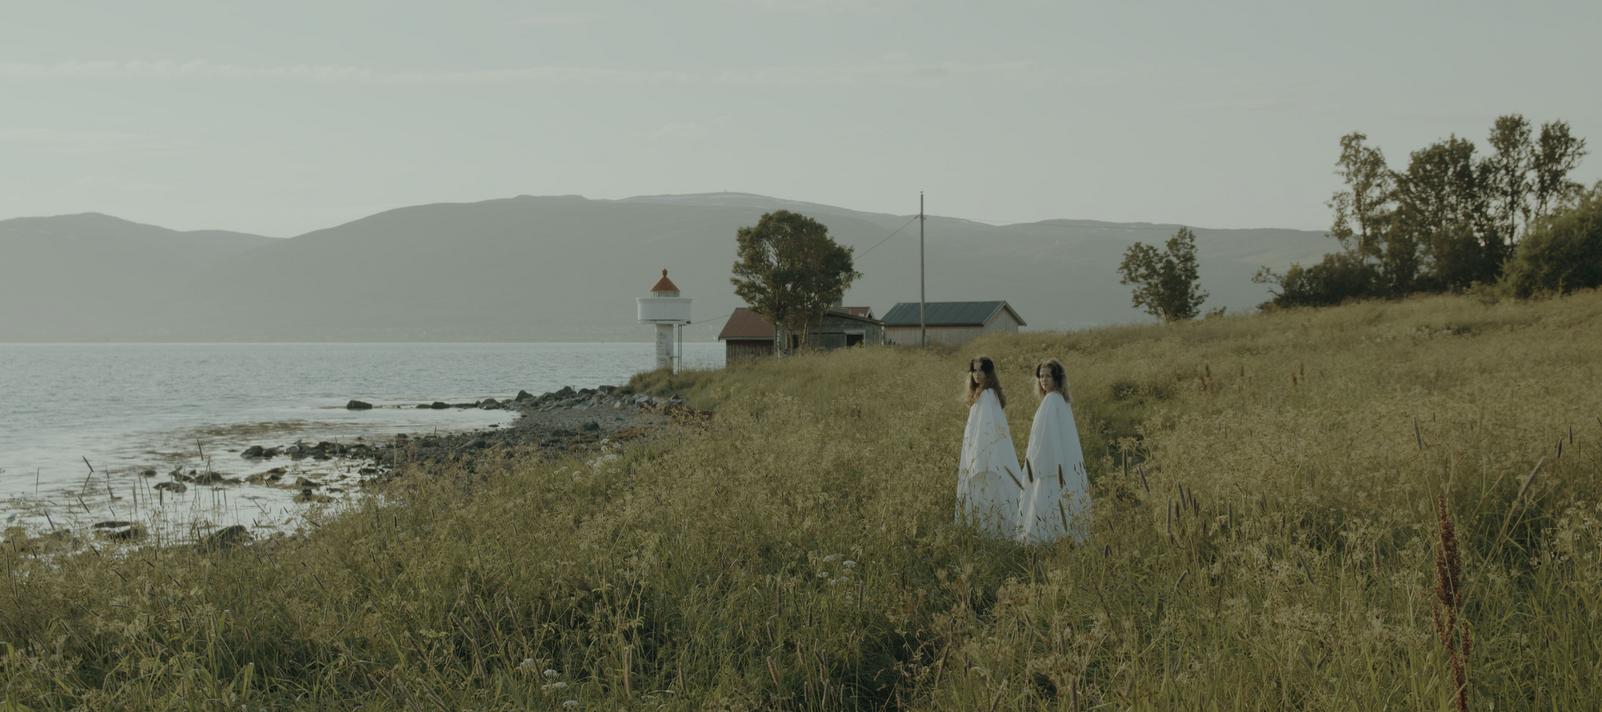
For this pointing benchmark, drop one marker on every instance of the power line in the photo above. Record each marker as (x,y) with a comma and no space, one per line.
(725,317)
(887,237)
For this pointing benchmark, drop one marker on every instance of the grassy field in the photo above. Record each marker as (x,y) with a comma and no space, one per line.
(1265,538)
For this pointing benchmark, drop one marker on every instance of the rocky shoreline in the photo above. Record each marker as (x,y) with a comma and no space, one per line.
(554,424)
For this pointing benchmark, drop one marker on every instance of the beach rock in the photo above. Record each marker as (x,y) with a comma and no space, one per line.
(306,484)
(477,444)
(253,452)
(148,472)
(262,478)
(523,396)
(439,405)
(358,405)
(226,537)
(565,392)
(174,487)
(592,427)
(489,404)
(112,524)
(209,478)
(307,496)
(127,531)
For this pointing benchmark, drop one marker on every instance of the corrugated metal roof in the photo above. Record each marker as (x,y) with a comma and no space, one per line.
(948,313)
(746,324)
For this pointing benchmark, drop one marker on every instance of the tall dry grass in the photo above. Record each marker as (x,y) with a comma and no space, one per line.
(1266,524)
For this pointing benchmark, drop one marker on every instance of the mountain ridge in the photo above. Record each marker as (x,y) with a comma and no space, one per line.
(553,268)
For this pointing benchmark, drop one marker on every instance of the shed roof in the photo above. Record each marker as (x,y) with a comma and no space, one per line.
(948,313)
(745,324)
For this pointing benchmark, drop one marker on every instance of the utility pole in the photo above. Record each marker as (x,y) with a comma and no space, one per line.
(923,326)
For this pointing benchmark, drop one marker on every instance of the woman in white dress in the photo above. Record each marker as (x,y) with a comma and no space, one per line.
(1057,499)
(989,481)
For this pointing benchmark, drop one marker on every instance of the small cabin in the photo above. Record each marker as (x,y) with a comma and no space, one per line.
(748,335)
(950,323)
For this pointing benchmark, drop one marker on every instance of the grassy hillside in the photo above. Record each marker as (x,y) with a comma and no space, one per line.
(797,551)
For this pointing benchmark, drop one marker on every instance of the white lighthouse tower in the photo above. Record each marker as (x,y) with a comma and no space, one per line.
(669,312)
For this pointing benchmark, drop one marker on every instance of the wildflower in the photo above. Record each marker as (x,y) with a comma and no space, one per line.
(570,704)
(849,564)
(558,685)
(526,665)
(550,674)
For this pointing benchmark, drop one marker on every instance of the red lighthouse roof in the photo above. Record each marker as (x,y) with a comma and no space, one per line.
(664,284)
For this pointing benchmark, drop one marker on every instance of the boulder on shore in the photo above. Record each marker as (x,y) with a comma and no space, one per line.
(173,487)
(439,405)
(123,531)
(226,537)
(523,396)
(358,405)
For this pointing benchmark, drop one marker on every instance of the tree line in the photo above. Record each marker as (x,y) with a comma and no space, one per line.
(1510,220)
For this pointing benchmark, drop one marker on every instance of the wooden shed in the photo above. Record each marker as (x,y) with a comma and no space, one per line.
(950,323)
(749,335)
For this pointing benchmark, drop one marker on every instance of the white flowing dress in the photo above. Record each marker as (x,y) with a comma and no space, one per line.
(989,479)
(1057,501)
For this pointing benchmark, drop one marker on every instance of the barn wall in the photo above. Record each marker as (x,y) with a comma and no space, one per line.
(747,349)
(908,335)
(1003,323)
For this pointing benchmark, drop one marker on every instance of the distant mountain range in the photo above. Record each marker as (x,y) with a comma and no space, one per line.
(562,268)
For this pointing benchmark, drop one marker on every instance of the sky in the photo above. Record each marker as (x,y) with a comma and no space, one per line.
(283,117)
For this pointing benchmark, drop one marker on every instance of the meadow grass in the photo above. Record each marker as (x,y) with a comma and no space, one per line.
(1264,538)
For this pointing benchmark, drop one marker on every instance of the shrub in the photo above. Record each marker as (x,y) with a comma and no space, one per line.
(1338,278)
(1563,253)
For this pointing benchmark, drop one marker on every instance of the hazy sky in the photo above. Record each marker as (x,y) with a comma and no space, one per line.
(281,117)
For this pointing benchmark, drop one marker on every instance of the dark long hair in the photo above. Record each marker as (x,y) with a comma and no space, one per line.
(982,375)
(1051,370)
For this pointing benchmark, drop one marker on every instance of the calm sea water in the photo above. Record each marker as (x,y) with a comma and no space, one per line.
(130,406)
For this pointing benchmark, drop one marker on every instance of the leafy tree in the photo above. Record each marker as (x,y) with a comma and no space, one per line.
(1557,153)
(1363,208)
(1445,236)
(1508,176)
(1167,282)
(1563,252)
(790,271)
